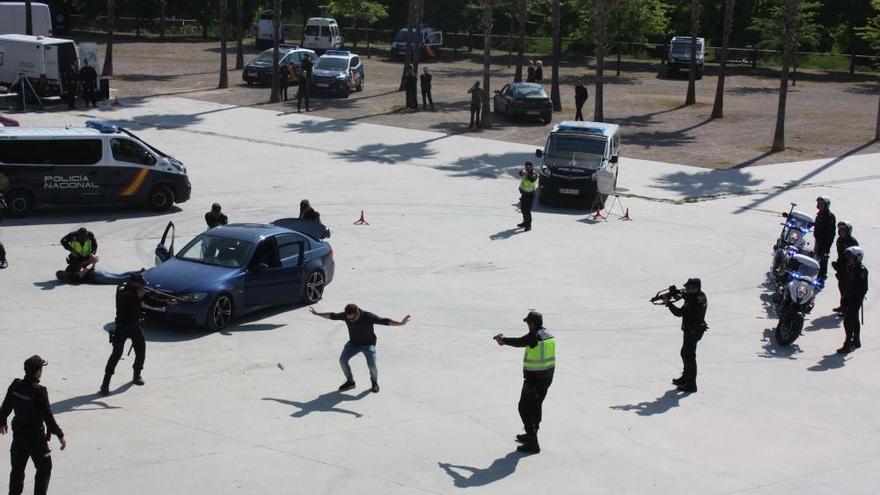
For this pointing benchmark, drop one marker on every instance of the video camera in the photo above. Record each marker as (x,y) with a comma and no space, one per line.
(671,294)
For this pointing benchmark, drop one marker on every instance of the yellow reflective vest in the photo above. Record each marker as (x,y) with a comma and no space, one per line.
(527,185)
(542,356)
(82,249)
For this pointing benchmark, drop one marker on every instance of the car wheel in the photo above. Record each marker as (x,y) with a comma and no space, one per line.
(19,203)
(250,83)
(314,288)
(220,313)
(160,198)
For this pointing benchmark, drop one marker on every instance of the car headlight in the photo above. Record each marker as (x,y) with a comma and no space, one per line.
(193,297)
(341,76)
(545,170)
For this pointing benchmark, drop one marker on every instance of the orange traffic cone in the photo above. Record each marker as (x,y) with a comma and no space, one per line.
(626,216)
(362,220)
(598,213)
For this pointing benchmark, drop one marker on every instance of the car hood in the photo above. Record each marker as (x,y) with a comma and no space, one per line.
(587,165)
(179,276)
(259,65)
(327,73)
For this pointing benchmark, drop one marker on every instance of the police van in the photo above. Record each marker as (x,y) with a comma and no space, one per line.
(574,157)
(98,164)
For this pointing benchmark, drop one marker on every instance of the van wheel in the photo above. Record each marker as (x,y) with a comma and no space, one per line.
(19,203)
(160,199)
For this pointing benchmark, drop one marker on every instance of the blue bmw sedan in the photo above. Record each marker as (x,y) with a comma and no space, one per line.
(235,269)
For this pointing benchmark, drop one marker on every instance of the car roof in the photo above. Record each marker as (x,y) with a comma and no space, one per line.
(321,20)
(526,85)
(594,128)
(343,54)
(249,231)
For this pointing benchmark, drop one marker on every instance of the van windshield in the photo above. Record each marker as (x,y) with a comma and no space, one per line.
(576,148)
(334,64)
(155,150)
(683,48)
(402,35)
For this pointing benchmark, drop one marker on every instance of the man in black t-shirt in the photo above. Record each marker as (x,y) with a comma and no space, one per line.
(361,339)
(215,217)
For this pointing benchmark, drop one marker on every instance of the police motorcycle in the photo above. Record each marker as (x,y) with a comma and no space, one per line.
(792,240)
(795,298)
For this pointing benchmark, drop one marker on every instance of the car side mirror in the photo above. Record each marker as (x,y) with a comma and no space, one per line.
(260,267)
(614,159)
(539,153)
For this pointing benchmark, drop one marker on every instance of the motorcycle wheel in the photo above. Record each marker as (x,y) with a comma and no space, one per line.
(789,328)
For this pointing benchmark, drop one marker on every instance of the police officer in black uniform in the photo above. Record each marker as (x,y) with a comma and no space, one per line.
(130,325)
(70,85)
(425,80)
(693,326)
(89,79)
(845,240)
(30,401)
(215,217)
(823,232)
(305,82)
(306,212)
(855,288)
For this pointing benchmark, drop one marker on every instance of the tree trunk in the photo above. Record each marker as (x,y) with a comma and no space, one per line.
(877,128)
(162,18)
(488,6)
(410,40)
(224,73)
(557,53)
(523,17)
(791,13)
(718,108)
(417,49)
(28,18)
(275,94)
(108,53)
(601,25)
(692,74)
(239,35)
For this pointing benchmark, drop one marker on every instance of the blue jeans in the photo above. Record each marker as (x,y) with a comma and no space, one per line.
(349,351)
(104,277)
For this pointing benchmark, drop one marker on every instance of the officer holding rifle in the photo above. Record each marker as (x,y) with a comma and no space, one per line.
(693,326)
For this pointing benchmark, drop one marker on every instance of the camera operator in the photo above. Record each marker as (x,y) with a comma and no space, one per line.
(693,326)
(845,240)
(855,288)
(823,232)
(527,187)
(130,325)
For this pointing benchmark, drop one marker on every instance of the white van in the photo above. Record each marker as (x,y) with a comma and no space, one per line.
(13,16)
(322,33)
(264,31)
(34,56)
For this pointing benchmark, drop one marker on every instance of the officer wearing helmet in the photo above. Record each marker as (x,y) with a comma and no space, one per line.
(693,326)
(855,288)
(845,240)
(823,232)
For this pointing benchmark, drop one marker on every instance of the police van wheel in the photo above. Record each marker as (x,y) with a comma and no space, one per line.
(220,313)
(314,289)
(19,203)
(160,199)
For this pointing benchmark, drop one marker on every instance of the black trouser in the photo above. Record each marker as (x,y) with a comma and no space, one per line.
(29,443)
(90,96)
(579,114)
(283,90)
(70,98)
(475,115)
(531,400)
(426,97)
(2,252)
(526,200)
(851,324)
(689,357)
(302,92)
(136,334)
(823,263)
(841,286)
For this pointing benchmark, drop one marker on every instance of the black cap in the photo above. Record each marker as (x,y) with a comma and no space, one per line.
(215,207)
(534,317)
(33,364)
(529,164)
(694,282)
(304,203)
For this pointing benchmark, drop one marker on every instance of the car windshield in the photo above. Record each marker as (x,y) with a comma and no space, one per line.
(574,147)
(401,35)
(217,251)
(335,64)
(267,56)
(683,48)
(529,92)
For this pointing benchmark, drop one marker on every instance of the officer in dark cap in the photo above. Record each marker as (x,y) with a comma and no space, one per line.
(539,363)
(215,217)
(130,325)
(30,439)
(693,326)
(527,187)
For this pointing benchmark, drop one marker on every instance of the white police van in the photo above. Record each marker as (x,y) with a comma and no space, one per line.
(573,157)
(321,34)
(98,164)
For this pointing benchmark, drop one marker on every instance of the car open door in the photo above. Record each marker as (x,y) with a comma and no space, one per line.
(165,252)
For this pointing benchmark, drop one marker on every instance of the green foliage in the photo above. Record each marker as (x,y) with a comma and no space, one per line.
(363,12)
(870,32)
(770,27)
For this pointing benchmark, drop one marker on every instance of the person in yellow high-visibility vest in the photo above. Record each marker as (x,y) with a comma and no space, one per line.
(527,187)
(81,244)
(539,363)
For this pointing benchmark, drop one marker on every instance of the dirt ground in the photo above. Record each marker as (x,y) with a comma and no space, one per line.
(828,114)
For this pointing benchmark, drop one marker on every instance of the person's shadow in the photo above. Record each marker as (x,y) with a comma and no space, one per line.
(659,405)
(328,402)
(48,284)
(506,234)
(829,362)
(88,402)
(498,470)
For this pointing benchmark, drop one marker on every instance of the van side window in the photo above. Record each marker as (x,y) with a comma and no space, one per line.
(77,151)
(311,30)
(31,151)
(126,150)
(325,31)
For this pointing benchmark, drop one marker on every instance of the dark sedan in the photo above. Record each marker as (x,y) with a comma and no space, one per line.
(524,100)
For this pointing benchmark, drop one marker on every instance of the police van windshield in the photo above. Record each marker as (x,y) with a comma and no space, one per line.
(683,48)
(217,251)
(574,147)
(334,64)
(402,35)
(155,150)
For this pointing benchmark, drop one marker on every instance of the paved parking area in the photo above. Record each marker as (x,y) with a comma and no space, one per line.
(218,414)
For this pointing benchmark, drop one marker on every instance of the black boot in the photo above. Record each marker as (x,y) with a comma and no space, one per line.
(678,381)
(105,385)
(687,388)
(348,385)
(137,380)
(529,444)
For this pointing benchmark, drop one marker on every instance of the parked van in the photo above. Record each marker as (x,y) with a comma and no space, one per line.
(432,41)
(263,35)
(678,55)
(573,157)
(13,19)
(321,34)
(98,164)
(34,56)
